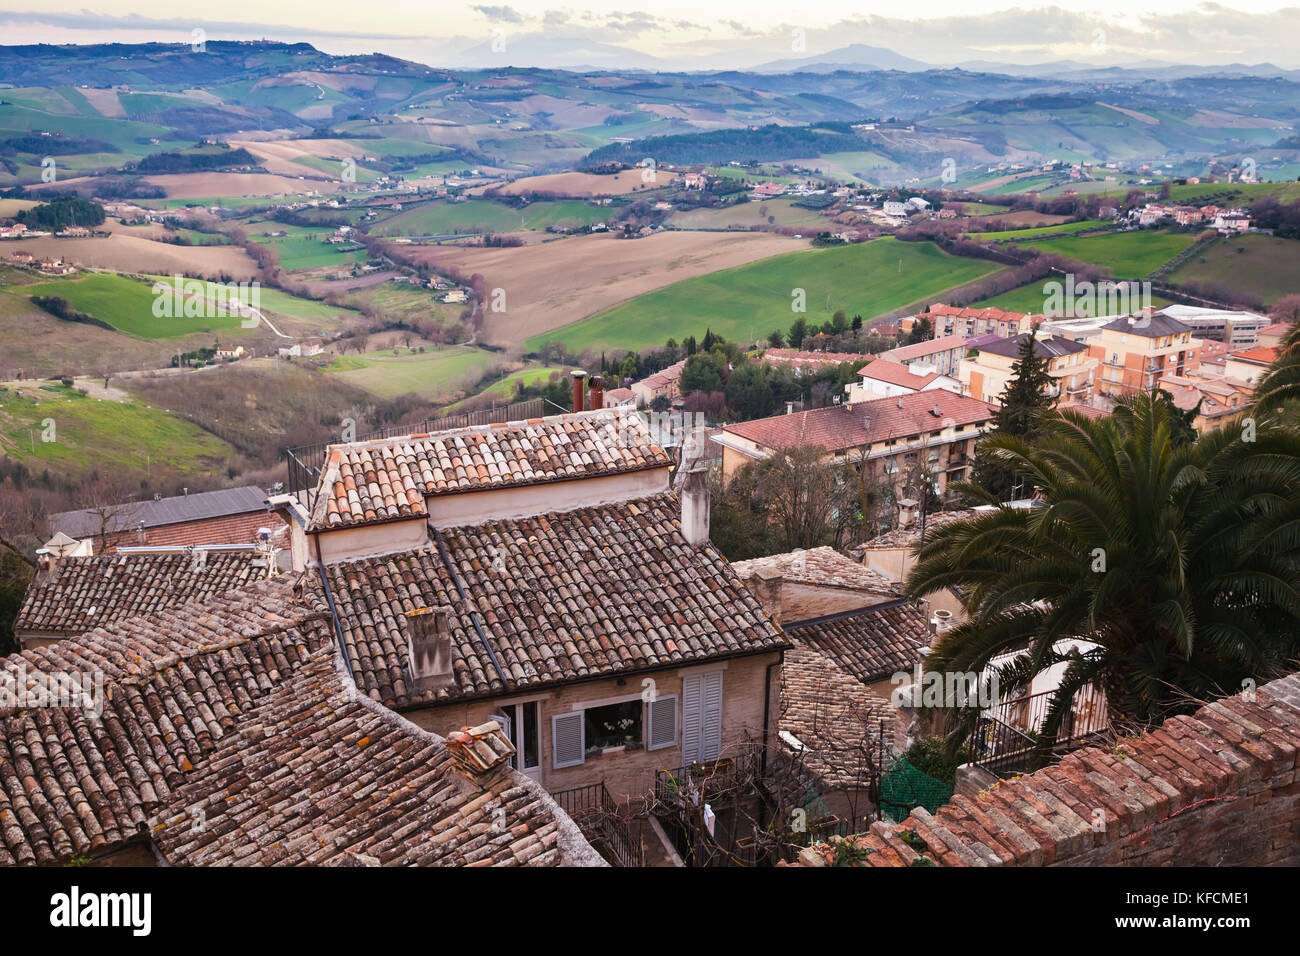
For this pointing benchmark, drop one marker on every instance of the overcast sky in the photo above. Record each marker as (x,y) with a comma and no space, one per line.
(693,35)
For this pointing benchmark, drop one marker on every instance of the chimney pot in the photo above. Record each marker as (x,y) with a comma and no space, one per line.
(578,381)
(767,584)
(429,648)
(597,392)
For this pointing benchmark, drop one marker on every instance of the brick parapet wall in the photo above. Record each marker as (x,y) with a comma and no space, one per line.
(1218,787)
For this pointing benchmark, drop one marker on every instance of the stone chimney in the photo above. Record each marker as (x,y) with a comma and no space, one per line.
(695,507)
(596,396)
(578,382)
(295,516)
(428,632)
(766,583)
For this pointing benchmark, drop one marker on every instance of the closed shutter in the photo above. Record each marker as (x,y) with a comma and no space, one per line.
(690,720)
(568,740)
(662,731)
(711,719)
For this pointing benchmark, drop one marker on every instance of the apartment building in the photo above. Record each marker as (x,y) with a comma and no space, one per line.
(941,355)
(986,373)
(1135,351)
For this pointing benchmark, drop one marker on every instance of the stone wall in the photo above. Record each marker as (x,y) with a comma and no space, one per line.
(1216,788)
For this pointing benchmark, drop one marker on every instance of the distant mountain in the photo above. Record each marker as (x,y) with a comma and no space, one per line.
(857,56)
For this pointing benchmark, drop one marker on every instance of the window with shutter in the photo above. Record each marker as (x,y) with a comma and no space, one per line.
(568,744)
(690,720)
(711,715)
(662,731)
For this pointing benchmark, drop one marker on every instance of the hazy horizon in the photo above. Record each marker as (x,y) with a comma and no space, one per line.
(735,34)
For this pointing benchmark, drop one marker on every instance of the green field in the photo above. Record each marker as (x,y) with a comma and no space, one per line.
(1064,229)
(1262,266)
(128,306)
(436,375)
(485,215)
(746,303)
(278,302)
(304,247)
(1128,255)
(1030,298)
(782,212)
(108,437)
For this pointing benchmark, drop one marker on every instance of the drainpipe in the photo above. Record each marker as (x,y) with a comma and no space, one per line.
(767,708)
(334,614)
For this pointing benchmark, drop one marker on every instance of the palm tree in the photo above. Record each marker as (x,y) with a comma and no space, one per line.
(1179,562)
(1281,382)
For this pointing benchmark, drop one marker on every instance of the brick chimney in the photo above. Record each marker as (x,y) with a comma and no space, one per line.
(578,381)
(767,583)
(428,632)
(695,508)
(596,396)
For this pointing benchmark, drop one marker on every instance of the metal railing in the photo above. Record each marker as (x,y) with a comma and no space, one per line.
(602,822)
(1009,737)
(306,462)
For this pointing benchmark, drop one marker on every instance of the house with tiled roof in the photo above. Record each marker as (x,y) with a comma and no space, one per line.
(72,595)
(542,574)
(1249,365)
(1136,351)
(228,734)
(834,730)
(803,360)
(886,379)
(662,384)
(935,430)
(1271,336)
(227,516)
(991,367)
(949,320)
(942,355)
(1218,399)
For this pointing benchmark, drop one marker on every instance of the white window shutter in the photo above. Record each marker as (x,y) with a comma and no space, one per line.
(663,722)
(711,716)
(690,720)
(568,740)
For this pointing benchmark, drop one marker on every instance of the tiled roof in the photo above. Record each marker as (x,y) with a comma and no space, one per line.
(664,377)
(832,715)
(1234,759)
(822,566)
(318,775)
(839,427)
(922,349)
(388,479)
(79,594)
(1048,346)
(597,591)
(1260,355)
(911,535)
(870,644)
(883,370)
(1086,410)
(1151,327)
(174,510)
(805,357)
(174,686)
(229,736)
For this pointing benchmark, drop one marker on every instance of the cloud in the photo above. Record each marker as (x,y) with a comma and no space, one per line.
(85,20)
(501,14)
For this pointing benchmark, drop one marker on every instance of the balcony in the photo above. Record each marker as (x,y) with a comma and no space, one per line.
(1008,737)
(602,822)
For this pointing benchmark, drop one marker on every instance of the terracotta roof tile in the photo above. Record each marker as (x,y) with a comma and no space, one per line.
(79,594)
(388,479)
(841,427)
(562,596)
(870,644)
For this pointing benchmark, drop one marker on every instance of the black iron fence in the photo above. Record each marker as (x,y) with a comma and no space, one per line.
(1008,738)
(602,822)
